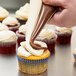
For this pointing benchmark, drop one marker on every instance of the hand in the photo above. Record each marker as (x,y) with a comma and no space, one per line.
(66,15)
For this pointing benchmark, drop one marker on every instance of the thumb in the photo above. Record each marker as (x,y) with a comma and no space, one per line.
(54,2)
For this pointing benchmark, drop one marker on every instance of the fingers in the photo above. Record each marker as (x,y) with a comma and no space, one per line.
(65,16)
(55,2)
(63,19)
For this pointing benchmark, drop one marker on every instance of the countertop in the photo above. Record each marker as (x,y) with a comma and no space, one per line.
(60,64)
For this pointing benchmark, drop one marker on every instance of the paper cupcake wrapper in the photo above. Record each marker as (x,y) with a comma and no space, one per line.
(32,61)
(14,29)
(42,74)
(20,38)
(32,66)
(22,21)
(64,39)
(8,47)
(19,35)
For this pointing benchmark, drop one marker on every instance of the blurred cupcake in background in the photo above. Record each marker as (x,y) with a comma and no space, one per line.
(64,35)
(3,14)
(49,37)
(21,33)
(22,14)
(8,41)
(32,61)
(74,54)
(12,23)
(3,27)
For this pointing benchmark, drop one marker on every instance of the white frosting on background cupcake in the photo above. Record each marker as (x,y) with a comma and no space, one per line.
(22,29)
(22,13)
(47,34)
(7,36)
(11,21)
(3,12)
(3,27)
(64,30)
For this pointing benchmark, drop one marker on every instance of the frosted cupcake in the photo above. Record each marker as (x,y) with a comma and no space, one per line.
(49,37)
(22,14)
(7,42)
(64,35)
(21,33)
(3,14)
(32,61)
(33,55)
(12,23)
(3,27)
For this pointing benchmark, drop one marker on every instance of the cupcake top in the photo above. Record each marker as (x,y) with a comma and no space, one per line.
(3,27)
(7,36)
(22,52)
(22,13)
(3,12)
(74,52)
(64,30)
(47,34)
(22,29)
(10,21)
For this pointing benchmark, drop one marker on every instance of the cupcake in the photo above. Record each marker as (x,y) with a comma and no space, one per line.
(3,27)
(3,14)
(64,35)
(7,42)
(12,23)
(32,61)
(22,14)
(21,34)
(49,37)
(74,54)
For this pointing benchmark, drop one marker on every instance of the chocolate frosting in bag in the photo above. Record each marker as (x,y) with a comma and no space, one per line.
(46,13)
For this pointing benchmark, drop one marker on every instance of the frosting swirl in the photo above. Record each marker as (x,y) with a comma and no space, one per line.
(7,36)
(3,12)
(64,30)
(47,34)
(23,52)
(11,21)
(3,27)
(22,13)
(22,29)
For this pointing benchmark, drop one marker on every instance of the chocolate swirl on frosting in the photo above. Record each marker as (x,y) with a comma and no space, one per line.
(46,13)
